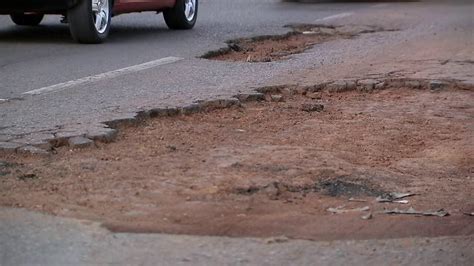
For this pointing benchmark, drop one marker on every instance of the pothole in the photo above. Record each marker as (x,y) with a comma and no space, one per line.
(269,48)
(252,168)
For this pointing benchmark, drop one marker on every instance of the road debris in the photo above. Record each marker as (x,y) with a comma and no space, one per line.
(275,98)
(357,200)
(80,142)
(412,211)
(171,147)
(468,213)
(340,210)
(27,177)
(276,240)
(312,107)
(314,95)
(394,197)
(367,216)
(401,201)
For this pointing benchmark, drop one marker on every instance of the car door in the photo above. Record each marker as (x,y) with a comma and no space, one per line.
(127,6)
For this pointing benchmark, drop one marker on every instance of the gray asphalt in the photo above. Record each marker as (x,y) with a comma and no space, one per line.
(36,57)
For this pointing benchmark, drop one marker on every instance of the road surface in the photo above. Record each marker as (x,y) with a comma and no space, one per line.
(51,87)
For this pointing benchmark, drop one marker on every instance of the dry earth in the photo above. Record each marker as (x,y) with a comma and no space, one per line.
(269,169)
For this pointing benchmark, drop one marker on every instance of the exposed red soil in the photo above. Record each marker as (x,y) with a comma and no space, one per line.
(273,48)
(268,169)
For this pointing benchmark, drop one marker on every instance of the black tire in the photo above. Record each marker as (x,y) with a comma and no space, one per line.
(176,19)
(81,20)
(27,19)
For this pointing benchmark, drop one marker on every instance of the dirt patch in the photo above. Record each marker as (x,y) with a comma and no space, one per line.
(6,167)
(277,47)
(337,188)
(269,168)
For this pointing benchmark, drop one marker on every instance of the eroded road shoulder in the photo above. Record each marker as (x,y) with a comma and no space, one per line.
(257,167)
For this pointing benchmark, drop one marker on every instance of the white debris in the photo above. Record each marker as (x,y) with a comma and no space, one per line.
(394,197)
(411,211)
(340,210)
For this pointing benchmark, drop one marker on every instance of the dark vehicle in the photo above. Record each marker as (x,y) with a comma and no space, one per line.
(89,20)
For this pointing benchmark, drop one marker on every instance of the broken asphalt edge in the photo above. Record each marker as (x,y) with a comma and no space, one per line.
(47,146)
(233,45)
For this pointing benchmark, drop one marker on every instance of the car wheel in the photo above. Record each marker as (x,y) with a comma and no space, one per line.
(89,20)
(27,19)
(183,15)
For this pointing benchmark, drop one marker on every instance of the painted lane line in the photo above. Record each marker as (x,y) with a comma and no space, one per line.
(341,15)
(104,76)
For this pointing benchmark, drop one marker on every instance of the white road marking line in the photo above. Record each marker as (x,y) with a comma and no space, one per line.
(103,76)
(341,15)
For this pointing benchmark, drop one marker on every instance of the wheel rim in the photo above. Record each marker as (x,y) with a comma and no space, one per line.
(100,14)
(190,9)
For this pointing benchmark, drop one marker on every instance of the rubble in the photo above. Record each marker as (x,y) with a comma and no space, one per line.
(367,84)
(250,97)
(10,146)
(275,98)
(357,200)
(394,197)
(436,85)
(276,240)
(337,86)
(340,210)
(312,107)
(412,211)
(368,216)
(80,142)
(32,150)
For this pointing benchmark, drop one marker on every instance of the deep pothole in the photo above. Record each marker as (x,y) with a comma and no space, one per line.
(182,173)
(268,48)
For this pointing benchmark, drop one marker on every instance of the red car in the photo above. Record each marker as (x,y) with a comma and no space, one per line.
(89,20)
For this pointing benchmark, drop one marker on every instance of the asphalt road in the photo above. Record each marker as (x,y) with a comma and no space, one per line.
(36,57)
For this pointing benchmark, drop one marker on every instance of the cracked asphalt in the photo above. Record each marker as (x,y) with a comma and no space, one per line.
(33,58)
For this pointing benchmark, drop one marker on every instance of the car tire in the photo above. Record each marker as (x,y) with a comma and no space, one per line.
(27,19)
(84,21)
(183,15)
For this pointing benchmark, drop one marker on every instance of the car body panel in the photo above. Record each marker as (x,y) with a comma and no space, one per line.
(127,6)
(40,6)
(60,6)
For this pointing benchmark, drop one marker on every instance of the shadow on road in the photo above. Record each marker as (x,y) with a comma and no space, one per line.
(60,34)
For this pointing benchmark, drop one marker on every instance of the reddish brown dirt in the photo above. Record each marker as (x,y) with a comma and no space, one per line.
(259,170)
(273,48)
